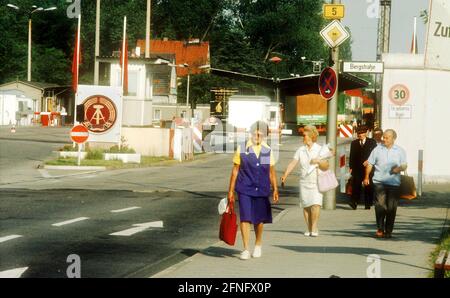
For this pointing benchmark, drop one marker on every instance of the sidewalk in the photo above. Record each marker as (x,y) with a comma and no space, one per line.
(342,249)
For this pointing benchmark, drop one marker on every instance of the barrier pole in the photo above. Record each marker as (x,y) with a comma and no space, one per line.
(420,174)
(342,166)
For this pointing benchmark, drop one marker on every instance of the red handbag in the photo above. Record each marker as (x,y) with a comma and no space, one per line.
(228,227)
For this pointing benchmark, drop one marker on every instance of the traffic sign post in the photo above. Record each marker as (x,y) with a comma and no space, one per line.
(79,134)
(334,34)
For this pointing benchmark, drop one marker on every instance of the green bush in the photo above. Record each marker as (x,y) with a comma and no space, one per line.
(123,149)
(68,148)
(94,154)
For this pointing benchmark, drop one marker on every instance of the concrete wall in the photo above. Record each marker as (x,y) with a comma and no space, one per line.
(168,111)
(137,112)
(429,105)
(148,141)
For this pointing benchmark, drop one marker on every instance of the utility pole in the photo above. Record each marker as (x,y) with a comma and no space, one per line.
(147,29)
(384,25)
(29,50)
(329,200)
(97,44)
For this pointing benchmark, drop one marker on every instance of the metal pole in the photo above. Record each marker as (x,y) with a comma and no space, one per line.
(29,50)
(187,89)
(97,44)
(329,200)
(147,30)
(420,174)
(79,154)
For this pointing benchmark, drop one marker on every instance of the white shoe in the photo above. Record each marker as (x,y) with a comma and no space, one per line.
(257,252)
(307,234)
(245,255)
(314,234)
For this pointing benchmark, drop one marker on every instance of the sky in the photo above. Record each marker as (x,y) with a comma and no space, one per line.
(359,17)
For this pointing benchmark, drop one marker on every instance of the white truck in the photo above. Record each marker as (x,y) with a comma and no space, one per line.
(244,110)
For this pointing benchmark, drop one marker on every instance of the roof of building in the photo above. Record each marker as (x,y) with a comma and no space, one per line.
(141,60)
(293,86)
(194,53)
(38,85)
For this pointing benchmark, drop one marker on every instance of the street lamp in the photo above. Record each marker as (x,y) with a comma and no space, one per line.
(33,9)
(317,65)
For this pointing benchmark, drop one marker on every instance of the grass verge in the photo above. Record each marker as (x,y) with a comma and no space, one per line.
(146,161)
(444,244)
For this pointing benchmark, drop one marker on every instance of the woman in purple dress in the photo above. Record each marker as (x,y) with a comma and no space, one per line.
(252,175)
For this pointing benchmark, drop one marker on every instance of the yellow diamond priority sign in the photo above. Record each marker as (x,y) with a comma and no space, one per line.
(334,34)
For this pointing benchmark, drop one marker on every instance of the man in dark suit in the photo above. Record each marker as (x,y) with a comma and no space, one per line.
(360,150)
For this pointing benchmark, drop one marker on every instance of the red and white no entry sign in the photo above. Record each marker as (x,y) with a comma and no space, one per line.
(79,134)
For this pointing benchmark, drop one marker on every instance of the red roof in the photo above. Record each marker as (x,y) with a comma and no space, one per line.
(195,54)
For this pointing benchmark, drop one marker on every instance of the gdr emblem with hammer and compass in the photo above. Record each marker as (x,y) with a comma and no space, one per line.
(100,113)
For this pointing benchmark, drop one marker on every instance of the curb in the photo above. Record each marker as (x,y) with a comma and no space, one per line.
(82,168)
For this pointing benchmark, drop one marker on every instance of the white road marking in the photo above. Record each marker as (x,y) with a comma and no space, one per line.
(139,228)
(10,237)
(68,222)
(125,209)
(13,273)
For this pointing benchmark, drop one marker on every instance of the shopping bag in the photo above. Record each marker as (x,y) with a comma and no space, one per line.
(228,227)
(407,187)
(349,187)
(326,180)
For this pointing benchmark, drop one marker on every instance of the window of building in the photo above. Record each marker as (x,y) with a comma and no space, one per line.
(273,115)
(157,115)
(133,80)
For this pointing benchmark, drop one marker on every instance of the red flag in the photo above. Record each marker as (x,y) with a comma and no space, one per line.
(125,68)
(75,63)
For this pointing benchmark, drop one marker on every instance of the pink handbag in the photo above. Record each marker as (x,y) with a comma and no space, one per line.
(326,180)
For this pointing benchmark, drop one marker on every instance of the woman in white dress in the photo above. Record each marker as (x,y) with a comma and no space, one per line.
(309,157)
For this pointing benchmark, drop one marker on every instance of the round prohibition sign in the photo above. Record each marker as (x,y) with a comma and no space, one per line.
(399,94)
(79,134)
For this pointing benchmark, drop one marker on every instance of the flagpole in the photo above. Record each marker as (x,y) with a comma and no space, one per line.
(123,67)
(415,36)
(78,49)
(78,65)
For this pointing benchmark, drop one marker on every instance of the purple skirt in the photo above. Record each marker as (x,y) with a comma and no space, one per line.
(254,209)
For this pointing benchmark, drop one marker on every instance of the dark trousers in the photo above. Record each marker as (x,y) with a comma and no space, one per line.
(386,201)
(357,188)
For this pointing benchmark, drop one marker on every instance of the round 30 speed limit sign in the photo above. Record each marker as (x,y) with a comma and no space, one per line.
(399,94)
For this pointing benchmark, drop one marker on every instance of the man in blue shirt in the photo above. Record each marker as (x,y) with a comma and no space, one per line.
(389,160)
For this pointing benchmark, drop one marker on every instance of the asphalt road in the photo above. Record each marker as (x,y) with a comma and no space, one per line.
(183,197)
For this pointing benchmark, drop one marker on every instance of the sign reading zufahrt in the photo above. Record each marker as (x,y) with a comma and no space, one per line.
(437,54)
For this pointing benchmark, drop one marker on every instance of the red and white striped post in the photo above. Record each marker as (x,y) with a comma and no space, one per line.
(342,167)
(420,174)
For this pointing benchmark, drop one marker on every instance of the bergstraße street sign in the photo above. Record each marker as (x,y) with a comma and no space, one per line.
(362,67)
(334,34)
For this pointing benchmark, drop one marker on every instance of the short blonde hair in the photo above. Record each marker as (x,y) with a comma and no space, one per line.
(312,131)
